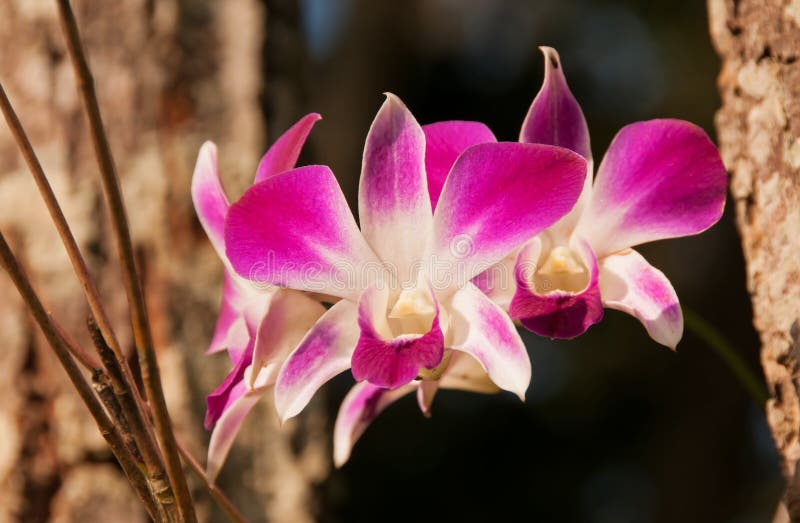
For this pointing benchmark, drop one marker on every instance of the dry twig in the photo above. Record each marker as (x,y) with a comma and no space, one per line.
(53,334)
(119,225)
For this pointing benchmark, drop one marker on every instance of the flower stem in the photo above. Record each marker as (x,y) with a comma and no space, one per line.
(725,350)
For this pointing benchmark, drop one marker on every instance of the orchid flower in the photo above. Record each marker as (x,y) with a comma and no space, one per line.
(258,326)
(409,316)
(659,179)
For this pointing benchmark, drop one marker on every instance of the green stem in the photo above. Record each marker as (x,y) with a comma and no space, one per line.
(725,350)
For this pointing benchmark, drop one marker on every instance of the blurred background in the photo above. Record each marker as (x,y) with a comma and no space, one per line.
(615,428)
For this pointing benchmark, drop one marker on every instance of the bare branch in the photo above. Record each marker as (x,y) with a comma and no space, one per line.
(119,224)
(71,246)
(222,500)
(113,359)
(53,334)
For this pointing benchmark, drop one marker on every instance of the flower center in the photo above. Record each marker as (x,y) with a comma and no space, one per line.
(412,312)
(562,270)
(413,302)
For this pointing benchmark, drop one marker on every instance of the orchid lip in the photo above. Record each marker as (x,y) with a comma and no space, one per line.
(391,351)
(572,302)
(562,270)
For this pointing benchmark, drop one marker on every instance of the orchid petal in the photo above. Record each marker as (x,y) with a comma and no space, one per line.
(465,373)
(629,284)
(209,198)
(555,313)
(659,179)
(227,428)
(497,282)
(444,143)
(295,230)
(283,154)
(322,354)
(562,230)
(555,118)
(264,377)
(388,361)
(237,342)
(426,391)
(482,330)
(359,408)
(228,391)
(228,314)
(289,317)
(393,202)
(497,196)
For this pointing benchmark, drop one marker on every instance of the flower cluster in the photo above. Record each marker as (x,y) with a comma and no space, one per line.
(459,237)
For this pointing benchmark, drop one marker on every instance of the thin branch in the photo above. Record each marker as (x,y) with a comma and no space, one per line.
(104,389)
(71,246)
(54,338)
(119,224)
(114,362)
(85,358)
(222,500)
(133,416)
(102,383)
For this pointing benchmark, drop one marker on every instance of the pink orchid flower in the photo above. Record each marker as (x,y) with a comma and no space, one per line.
(659,179)
(258,326)
(408,312)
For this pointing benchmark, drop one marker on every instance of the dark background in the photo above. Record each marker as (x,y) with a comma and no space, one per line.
(615,429)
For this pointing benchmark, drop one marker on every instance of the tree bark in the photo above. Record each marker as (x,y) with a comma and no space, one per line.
(169,74)
(758,129)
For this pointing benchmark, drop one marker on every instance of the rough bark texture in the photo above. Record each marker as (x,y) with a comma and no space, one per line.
(169,75)
(758,129)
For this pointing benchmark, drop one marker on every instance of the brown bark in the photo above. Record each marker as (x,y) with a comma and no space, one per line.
(169,74)
(758,128)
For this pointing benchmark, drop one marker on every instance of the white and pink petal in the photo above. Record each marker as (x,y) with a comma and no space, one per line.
(289,316)
(322,354)
(229,313)
(227,427)
(629,284)
(210,201)
(659,179)
(498,282)
(360,408)
(465,373)
(481,329)
(393,202)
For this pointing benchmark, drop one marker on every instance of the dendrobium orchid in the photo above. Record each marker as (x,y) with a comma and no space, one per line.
(258,325)
(659,179)
(409,316)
